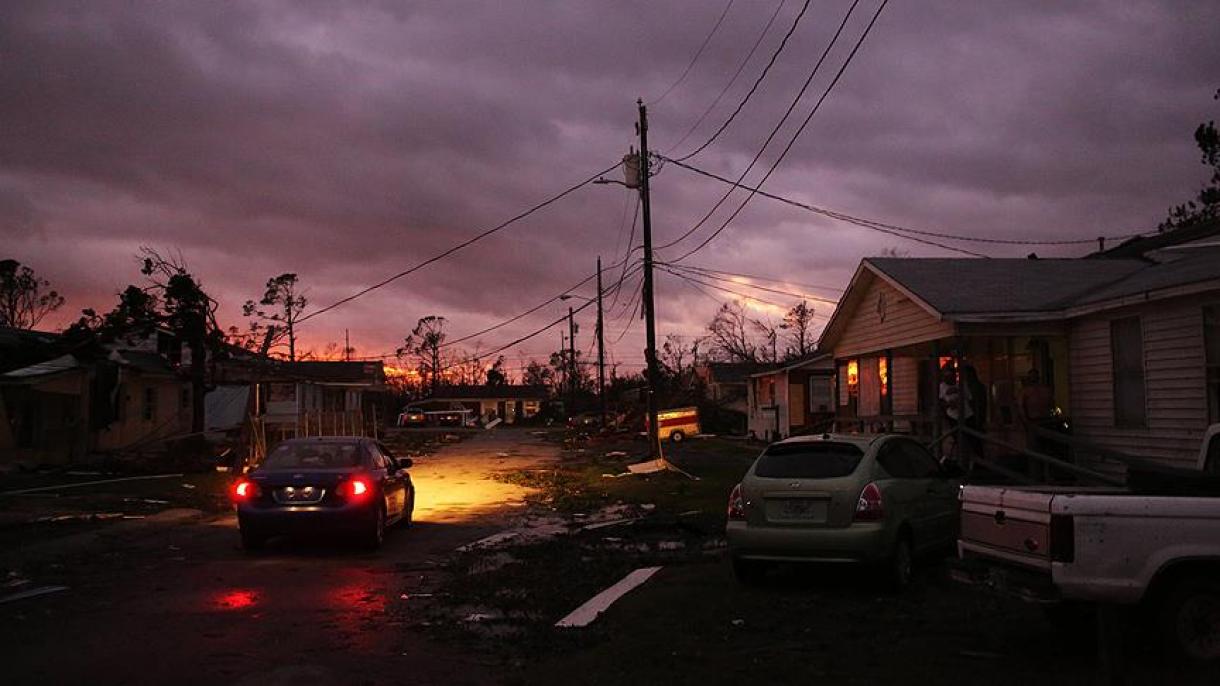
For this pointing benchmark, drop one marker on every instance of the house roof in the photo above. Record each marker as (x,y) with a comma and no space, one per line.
(814,361)
(959,286)
(487,392)
(989,290)
(733,372)
(142,360)
(323,372)
(1141,245)
(63,363)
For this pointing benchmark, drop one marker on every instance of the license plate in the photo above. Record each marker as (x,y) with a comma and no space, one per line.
(295,495)
(803,509)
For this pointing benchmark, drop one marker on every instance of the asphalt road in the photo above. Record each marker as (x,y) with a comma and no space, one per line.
(173,599)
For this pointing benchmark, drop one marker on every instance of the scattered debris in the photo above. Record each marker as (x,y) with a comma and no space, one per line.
(585,614)
(493,423)
(82,517)
(80,473)
(32,593)
(616,453)
(612,522)
(690,513)
(501,454)
(671,545)
(92,483)
(190,486)
(648,467)
(738,622)
(146,501)
(476,617)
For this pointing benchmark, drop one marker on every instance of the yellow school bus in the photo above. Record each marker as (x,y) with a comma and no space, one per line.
(678,424)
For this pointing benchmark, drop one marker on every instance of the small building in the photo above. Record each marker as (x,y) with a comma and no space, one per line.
(61,410)
(727,382)
(792,399)
(509,402)
(1128,346)
(304,398)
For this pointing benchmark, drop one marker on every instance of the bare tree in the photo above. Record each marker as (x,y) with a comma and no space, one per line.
(798,328)
(24,298)
(538,374)
(277,312)
(769,350)
(424,347)
(730,334)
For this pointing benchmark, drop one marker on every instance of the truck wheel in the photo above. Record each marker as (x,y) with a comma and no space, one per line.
(677,437)
(1190,619)
(749,572)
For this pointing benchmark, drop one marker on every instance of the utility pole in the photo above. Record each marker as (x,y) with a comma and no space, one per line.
(650,325)
(347,346)
(601,349)
(573,374)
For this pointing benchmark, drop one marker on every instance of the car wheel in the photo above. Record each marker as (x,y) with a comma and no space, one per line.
(252,541)
(677,437)
(901,564)
(1190,619)
(408,513)
(376,534)
(750,572)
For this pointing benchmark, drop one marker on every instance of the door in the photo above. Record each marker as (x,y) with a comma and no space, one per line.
(393,488)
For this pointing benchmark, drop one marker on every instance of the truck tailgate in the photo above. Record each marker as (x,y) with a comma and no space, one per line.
(1010,524)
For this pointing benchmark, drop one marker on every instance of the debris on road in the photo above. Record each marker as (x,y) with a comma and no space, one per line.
(32,593)
(616,453)
(585,614)
(58,487)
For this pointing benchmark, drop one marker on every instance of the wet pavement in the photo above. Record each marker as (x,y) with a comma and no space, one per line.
(179,602)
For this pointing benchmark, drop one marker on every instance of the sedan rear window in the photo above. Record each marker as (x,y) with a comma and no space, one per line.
(820,460)
(313,456)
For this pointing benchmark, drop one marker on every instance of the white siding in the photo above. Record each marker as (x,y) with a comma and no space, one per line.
(904,323)
(1173,378)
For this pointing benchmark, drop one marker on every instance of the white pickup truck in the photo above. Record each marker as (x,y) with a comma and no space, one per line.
(1155,543)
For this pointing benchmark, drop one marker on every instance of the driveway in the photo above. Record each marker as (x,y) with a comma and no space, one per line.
(174,600)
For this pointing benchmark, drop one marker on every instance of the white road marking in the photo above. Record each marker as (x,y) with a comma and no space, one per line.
(585,614)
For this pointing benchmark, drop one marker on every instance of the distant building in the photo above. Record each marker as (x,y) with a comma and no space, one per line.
(792,398)
(508,402)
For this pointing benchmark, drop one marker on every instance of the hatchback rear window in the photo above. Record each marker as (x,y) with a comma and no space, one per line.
(808,461)
(313,456)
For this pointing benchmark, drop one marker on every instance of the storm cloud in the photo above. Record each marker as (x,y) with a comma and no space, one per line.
(349,141)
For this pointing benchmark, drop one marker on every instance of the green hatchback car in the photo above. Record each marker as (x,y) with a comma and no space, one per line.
(840,498)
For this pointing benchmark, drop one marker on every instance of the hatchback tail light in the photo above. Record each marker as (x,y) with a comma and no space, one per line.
(244,490)
(869,507)
(355,489)
(737,505)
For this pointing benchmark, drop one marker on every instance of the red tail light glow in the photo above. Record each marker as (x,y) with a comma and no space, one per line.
(869,507)
(356,488)
(244,490)
(737,505)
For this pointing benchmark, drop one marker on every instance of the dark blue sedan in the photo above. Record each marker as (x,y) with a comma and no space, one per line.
(346,486)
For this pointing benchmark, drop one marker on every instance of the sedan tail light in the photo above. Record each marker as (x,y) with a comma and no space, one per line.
(869,507)
(244,490)
(355,489)
(737,505)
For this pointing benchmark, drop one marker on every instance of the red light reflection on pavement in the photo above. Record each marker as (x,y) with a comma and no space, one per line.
(236,599)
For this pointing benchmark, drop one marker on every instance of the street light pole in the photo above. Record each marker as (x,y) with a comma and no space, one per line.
(601,349)
(572,370)
(650,326)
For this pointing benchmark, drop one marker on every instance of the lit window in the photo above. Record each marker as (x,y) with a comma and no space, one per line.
(883,373)
(853,373)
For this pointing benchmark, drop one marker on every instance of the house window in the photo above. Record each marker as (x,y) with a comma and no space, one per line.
(820,394)
(1211,342)
(1127,361)
(150,404)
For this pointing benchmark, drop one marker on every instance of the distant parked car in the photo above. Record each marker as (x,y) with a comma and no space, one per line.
(873,500)
(585,420)
(412,416)
(309,486)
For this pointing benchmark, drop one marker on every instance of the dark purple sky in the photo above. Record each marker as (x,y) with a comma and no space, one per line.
(347,142)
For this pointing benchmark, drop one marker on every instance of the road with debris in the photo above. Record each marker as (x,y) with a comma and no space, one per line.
(172,598)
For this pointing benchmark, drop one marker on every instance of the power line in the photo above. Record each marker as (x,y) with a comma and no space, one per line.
(775,165)
(757,82)
(777,291)
(774,131)
(879,225)
(459,246)
(740,68)
(762,278)
(698,53)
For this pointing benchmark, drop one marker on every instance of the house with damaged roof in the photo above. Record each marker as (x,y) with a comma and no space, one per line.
(1124,345)
(75,403)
